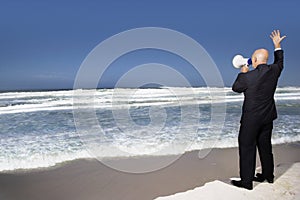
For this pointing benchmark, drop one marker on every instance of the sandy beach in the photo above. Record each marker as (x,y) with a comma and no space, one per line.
(287,187)
(91,180)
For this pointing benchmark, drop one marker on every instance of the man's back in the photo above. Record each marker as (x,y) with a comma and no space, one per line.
(259,86)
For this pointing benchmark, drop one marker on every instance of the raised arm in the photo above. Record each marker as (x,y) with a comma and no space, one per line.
(278,54)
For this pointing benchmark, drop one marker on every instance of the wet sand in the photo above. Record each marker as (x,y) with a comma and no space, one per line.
(91,180)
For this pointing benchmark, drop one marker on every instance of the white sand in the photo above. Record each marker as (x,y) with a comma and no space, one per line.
(287,186)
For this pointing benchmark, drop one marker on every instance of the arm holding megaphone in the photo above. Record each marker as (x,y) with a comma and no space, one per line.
(244,69)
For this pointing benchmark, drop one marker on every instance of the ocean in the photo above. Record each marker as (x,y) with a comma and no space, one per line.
(41,129)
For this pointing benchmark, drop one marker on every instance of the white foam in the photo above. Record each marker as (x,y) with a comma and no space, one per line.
(41,160)
(286,139)
(50,158)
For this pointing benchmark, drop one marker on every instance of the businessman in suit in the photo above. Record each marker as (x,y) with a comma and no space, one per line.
(258,113)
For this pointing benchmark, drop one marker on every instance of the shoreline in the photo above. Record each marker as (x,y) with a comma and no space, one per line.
(127,159)
(91,179)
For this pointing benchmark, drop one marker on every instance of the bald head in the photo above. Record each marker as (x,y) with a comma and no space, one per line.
(260,56)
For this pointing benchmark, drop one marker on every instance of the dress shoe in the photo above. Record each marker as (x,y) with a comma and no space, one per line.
(240,184)
(260,178)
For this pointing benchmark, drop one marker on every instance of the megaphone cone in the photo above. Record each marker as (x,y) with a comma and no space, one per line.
(238,61)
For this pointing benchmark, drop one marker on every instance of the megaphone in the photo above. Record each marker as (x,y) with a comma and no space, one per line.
(238,61)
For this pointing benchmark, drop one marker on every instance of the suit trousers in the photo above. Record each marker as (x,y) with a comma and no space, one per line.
(252,134)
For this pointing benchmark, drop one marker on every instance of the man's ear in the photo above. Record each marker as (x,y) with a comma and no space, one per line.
(255,59)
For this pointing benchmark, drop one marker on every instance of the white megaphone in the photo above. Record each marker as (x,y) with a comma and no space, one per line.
(238,61)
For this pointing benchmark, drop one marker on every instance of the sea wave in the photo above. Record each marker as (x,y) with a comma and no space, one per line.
(37,129)
(20,102)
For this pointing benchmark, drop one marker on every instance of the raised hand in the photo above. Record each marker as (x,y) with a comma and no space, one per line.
(275,36)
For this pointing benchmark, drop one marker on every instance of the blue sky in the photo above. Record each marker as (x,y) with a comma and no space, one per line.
(43,43)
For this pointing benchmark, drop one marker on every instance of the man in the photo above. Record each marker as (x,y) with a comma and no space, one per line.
(258,113)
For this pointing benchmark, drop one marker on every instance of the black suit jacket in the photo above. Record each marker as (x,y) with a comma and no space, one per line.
(259,86)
